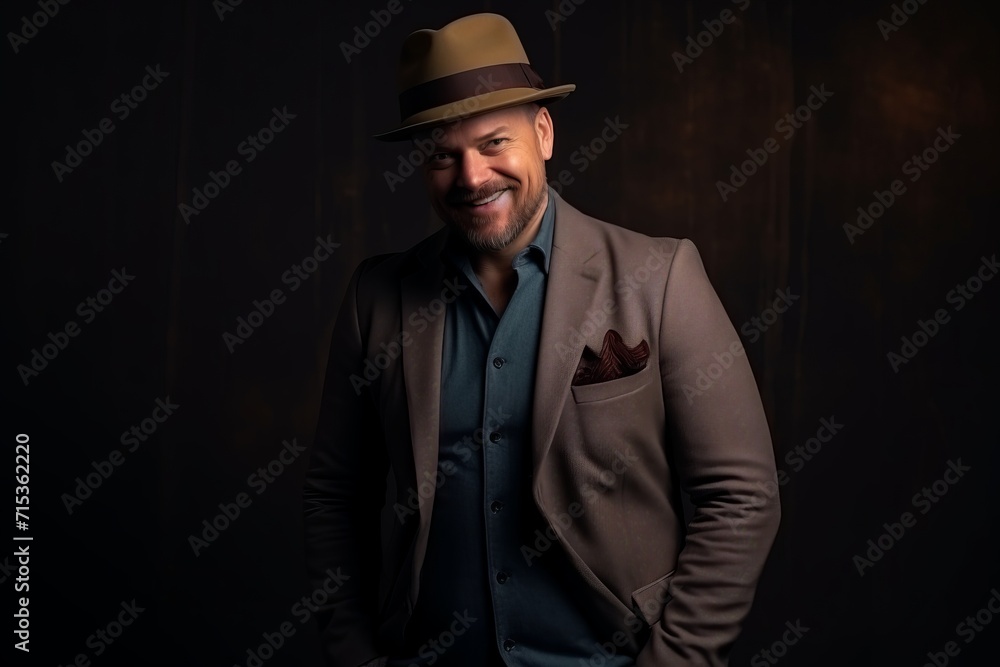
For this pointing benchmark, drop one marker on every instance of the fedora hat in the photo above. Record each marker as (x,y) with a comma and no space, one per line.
(472,65)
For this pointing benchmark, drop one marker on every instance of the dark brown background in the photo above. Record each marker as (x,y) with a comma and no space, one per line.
(324,176)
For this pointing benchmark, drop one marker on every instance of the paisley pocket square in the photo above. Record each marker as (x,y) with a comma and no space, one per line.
(616,360)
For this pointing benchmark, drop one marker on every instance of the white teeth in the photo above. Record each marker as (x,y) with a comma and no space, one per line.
(480,202)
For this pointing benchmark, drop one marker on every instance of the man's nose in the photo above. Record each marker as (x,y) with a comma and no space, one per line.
(474,171)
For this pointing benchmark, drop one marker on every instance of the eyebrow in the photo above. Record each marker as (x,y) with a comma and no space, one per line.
(503,129)
(492,134)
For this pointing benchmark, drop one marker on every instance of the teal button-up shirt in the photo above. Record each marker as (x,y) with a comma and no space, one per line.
(494,589)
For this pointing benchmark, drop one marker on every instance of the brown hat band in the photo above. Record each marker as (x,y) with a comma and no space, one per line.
(464,85)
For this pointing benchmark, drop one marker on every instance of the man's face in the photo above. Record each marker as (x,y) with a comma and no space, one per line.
(486,174)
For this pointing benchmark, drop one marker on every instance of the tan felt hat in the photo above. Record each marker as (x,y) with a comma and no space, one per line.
(472,65)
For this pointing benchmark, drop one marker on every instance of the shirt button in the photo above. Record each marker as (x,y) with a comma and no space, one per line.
(501,577)
(498,362)
(496,506)
(508,645)
(495,436)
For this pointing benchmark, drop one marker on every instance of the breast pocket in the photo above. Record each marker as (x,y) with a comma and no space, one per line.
(603,391)
(613,427)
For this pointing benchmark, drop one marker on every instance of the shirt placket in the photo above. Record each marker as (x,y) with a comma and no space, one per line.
(503,460)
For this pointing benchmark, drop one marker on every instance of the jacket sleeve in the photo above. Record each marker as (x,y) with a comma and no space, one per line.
(343,495)
(721,446)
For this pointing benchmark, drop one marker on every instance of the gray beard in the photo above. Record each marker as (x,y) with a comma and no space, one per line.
(520,217)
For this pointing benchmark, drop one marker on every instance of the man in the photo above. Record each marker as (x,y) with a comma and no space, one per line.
(509,416)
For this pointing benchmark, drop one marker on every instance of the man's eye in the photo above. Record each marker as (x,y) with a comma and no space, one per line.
(439,157)
(497,142)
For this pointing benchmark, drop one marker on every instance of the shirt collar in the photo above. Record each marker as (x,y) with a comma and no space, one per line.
(543,239)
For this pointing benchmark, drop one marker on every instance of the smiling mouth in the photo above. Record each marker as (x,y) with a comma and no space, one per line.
(476,203)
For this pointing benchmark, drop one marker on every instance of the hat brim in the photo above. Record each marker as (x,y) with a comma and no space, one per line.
(473,106)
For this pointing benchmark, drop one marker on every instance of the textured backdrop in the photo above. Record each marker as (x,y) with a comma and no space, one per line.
(176,166)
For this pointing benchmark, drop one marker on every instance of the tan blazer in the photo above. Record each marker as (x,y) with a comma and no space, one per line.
(610,459)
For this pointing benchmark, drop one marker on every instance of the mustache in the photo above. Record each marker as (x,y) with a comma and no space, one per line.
(460,196)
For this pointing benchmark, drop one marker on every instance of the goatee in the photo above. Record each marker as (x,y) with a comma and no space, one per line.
(475,229)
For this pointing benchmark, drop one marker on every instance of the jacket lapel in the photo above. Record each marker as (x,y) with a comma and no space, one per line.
(571,292)
(422,373)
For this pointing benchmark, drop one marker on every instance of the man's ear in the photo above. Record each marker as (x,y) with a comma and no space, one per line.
(544,132)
